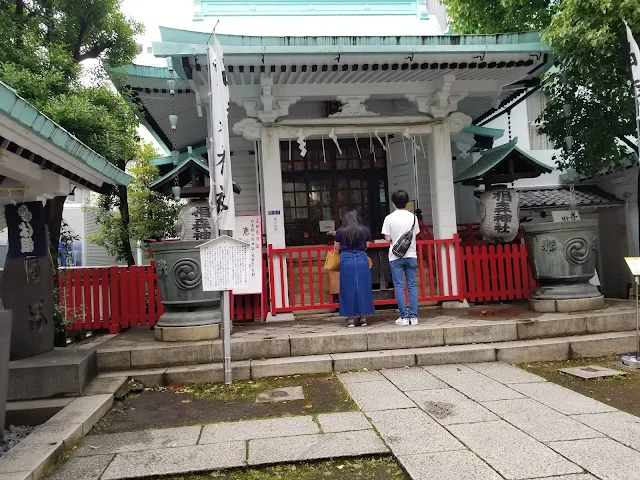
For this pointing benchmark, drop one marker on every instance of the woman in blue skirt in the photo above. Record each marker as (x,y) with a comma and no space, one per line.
(356,297)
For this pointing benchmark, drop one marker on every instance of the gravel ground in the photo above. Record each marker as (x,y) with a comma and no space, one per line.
(12,436)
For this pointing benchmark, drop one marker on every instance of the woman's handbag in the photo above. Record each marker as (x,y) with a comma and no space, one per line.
(332,262)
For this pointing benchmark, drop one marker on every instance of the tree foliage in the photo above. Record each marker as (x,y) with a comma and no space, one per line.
(42,43)
(150,214)
(592,71)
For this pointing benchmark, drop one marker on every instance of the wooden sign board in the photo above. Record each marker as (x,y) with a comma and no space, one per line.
(225,264)
(565,215)
(249,230)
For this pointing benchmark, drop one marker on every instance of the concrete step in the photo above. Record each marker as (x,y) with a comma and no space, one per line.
(284,343)
(522,351)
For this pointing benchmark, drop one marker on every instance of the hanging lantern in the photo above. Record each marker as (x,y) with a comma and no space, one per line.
(173,120)
(499,214)
(176,192)
(172,86)
(175,154)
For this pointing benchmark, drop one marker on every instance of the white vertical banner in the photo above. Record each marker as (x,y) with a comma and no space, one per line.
(221,192)
(635,66)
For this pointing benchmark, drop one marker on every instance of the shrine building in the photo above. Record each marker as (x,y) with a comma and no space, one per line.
(334,104)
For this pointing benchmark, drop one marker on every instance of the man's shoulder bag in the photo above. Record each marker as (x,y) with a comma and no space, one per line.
(401,247)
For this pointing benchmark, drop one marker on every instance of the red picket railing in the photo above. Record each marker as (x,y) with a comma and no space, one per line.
(113,298)
(305,285)
(494,273)
(109,297)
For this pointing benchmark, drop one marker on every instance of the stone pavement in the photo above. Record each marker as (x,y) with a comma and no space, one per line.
(481,421)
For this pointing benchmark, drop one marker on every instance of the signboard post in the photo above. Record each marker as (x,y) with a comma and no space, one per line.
(225,266)
(633,359)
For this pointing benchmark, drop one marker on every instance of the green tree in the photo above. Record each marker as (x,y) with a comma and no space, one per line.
(148,214)
(42,43)
(592,74)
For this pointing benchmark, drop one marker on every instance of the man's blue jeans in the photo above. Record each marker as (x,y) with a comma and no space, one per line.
(401,269)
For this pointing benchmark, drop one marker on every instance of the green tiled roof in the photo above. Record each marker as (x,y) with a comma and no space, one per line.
(22,112)
(491,161)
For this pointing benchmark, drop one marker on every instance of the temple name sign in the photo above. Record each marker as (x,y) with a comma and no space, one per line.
(225,264)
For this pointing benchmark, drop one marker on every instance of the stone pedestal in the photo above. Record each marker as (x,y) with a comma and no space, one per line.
(186,305)
(562,257)
(5,344)
(61,372)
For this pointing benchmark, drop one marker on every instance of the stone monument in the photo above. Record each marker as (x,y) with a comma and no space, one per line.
(27,280)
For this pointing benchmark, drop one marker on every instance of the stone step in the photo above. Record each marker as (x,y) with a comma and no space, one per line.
(521,351)
(252,345)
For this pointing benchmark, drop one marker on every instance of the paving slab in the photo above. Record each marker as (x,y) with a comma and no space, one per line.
(360,377)
(412,378)
(447,406)
(561,399)
(480,387)
(592,371)
(576,476)
(16,476)
(511,452)
(605,458)
(314,447)
(169,461)
(343,422)
(539,421)
(381,395)
(456,465)
(621,426)
(30,456)
(505,373)
(283,394)
(82,468)
(84,410)
(138,441)
(451,369)
(275,427)
(411,431)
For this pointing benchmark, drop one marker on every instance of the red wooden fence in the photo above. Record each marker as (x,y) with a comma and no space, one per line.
(112,298)
(305,285)
(494,273)
(109,297)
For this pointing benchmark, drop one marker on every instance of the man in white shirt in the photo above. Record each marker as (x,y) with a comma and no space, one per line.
(396,224)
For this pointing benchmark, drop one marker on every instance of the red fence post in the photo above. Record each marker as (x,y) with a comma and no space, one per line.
(271,279)
(114,296)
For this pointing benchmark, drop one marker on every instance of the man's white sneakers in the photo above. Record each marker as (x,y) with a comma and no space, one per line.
(405,322)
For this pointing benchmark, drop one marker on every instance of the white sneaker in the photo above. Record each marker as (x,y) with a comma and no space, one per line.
(413,321)
(403,322)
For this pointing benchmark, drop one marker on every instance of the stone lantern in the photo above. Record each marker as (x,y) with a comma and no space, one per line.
(190,313)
